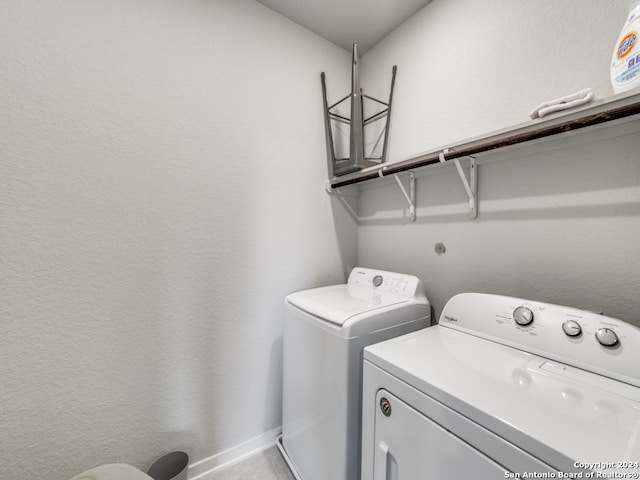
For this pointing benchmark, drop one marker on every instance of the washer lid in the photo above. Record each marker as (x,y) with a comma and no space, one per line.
(558,413)
(339,303)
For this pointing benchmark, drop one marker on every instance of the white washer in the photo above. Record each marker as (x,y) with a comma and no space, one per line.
(504,388)
(325,331)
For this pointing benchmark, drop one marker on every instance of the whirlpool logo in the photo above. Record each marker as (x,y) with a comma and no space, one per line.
(626,45)
(450,319)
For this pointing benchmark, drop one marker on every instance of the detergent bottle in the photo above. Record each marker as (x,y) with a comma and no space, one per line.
(625,62)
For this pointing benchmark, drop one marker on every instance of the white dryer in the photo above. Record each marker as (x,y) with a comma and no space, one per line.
(325,331)
(504,388)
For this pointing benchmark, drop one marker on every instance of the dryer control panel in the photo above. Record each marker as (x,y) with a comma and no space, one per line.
(387,282)
(583,339)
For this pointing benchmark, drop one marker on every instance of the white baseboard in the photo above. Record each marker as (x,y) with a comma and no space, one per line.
(236,454)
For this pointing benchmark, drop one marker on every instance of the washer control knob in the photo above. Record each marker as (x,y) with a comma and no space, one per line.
(606,337)
(572,328)
(523,316)
(377,280)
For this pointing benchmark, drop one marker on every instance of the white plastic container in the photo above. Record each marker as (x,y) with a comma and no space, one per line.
(625,61)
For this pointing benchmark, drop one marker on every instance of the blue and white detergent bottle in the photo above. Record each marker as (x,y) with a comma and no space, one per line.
(625,62)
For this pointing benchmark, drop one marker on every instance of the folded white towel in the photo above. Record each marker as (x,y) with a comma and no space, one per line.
(570,101)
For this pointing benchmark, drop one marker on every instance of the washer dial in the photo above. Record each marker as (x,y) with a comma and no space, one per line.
(572,328)
(607,337)
(523,316)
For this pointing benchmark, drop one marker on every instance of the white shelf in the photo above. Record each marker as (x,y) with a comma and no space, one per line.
(610,112)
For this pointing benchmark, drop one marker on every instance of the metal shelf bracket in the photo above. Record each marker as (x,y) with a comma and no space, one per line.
(411,196)
(342,198)
(470,185)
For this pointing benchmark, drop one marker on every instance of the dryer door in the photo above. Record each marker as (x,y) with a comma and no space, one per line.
(410,446)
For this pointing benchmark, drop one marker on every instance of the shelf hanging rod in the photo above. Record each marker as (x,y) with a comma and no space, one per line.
(564,127)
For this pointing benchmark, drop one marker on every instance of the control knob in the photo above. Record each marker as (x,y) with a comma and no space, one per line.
(572,328)
(606,337)
(523,316)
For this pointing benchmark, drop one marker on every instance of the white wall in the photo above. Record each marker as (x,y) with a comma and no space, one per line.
(162,168)
(161,172)
(558,221)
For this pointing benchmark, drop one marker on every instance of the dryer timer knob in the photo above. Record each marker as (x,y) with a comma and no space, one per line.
(523,316)
(572,328)
(606,337)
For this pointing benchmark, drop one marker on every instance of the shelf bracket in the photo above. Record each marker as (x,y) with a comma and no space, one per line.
(411,196)
(342,198)
(471,184)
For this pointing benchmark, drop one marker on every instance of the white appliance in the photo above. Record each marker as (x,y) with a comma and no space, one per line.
(325,331)
(504,388)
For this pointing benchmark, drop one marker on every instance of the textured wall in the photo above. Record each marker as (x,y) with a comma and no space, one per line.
(161,189)
(558,221)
